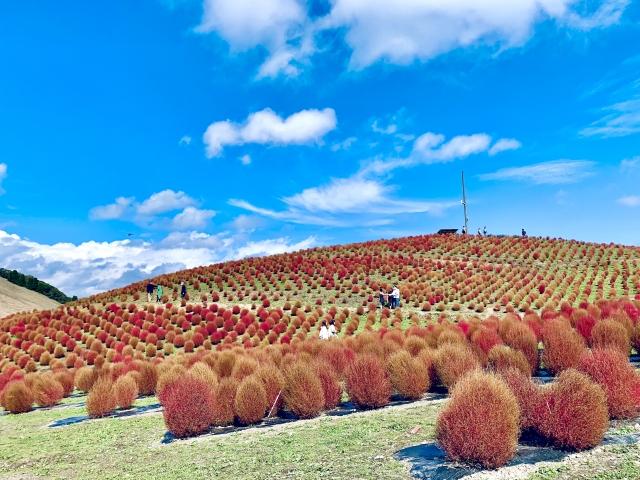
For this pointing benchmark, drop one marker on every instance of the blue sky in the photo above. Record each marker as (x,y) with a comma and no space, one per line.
(225,128)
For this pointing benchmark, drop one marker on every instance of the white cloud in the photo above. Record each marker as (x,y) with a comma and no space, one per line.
(630,201)
(458,147)
(186,140)
(345,202)
(389,130)
(191,217)
(94,267)
(3,175)
(112,211)
(625,121)
(405,30)
(504,144)
(629,164)
(266,127)
(272,24)
(245,223)
(553,172)
(345,145)
(163,202)
(245,159)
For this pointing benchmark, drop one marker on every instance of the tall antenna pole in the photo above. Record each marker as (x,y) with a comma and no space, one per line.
(464,204)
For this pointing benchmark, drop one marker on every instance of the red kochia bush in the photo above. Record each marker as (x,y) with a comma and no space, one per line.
(47,391)
(521,337)
(452,361)
(101,399)
(611,370)
(528,395)
(17,397)
(251,400)
(303,394)
(408,375)
(563,347)
(330,383)
(502,358)
(576,414)
(125,390)
(224,400)
(188,406)
(367,382)
(480,422)
(611,334)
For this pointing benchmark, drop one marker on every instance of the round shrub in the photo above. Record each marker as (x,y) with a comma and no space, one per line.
(452,361)
(521,337)
(610,369)
(125,390)
(330,383)
(576,415)
(101,399)
(251,401)
(17,397)
(408,375)
(244,367)
(367,382)
(203,372)
(223,408)
(563,347)
(611,334)
(480,422)
(226,362)
(188,406)
(148,378)
(84,379)
(65,378)
(502,358)
(303,395)
(273,382)
(47,391)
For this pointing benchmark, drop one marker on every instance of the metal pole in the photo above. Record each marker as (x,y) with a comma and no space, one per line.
(464,203)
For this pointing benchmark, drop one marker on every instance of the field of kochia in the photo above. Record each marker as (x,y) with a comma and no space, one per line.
(479,316)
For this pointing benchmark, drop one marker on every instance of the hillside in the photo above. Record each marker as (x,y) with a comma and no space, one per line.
(15,299)
(32,283)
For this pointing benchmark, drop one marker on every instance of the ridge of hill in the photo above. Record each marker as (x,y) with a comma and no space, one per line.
(14,298)
(32,283)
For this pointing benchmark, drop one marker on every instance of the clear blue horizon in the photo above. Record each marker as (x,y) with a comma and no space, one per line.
(218,129)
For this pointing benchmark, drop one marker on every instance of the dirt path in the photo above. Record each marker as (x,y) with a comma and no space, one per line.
(15,299)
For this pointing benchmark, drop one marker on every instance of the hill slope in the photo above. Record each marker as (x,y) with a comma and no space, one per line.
(17,299)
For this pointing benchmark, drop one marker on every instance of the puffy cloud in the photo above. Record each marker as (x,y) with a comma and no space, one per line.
(163,202)
(625,121)
(553,172)
(113,211)
(186,140)
(266,127)
(3,175)
(94,267)
(630,201)
(245,223)
(343,194)
(245,160)
(458,147)
(191,217)
(397,32)
(504,144)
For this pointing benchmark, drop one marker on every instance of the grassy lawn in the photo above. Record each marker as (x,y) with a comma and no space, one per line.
(327,447)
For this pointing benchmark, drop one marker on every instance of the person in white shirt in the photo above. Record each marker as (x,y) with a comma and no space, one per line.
(332,329)
(396,297)
(324,333)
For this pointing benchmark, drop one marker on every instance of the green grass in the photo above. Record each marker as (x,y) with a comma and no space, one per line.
(325,447)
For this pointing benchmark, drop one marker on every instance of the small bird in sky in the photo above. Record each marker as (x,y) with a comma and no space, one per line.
(129,234)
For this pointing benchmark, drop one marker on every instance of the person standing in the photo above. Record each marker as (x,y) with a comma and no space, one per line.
(183,290)
(332,328)
(524,234)
(149,291)
(485,230)
(464,230)
(479,232)
(396,297)
(381,295)
(159,293)
(324,333)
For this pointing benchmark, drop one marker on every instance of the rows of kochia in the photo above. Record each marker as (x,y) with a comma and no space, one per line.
(443,272)
(485,364)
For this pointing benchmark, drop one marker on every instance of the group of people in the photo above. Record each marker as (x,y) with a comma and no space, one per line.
(480,232)
(326,332)
(391,298)
(158,289)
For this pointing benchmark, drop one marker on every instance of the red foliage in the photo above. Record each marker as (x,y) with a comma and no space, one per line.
(17,397)
(563,347)
(452,361)
(47,391)
(611,334)
(188,406)
(480,422)
(303,394)
(330,383)
(367,382)
(125,390)
(101,399)
(408,375)
(611,370)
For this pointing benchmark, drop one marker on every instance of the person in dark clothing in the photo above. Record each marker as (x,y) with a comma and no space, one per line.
(381,297)
(183,290)
(524,234)
(150,287)
(464,230)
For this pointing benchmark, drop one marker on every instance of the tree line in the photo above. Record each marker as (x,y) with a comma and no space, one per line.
(32,283)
